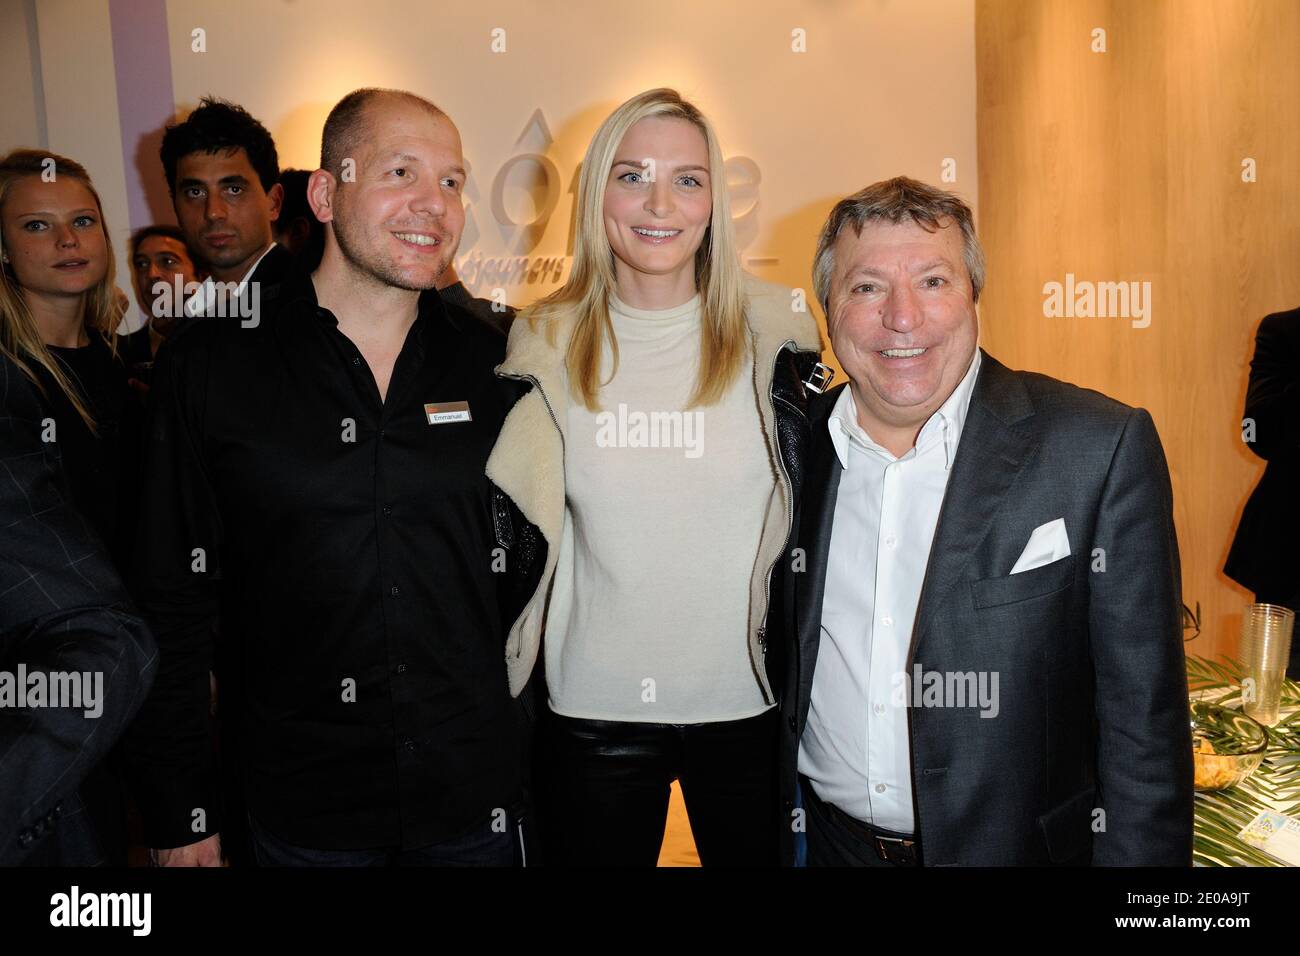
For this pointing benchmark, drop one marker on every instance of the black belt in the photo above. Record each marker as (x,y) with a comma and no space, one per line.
(891,846)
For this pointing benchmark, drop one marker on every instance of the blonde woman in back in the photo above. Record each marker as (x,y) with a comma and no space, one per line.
(654,451)
(58,312)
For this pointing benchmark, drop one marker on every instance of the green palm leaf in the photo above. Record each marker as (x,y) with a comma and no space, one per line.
(1222,814)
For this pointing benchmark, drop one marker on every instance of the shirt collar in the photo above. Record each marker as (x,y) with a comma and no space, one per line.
(203,302)
(299,294)
(945,425)
(265,252)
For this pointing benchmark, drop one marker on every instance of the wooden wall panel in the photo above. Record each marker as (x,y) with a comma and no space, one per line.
(1127,166)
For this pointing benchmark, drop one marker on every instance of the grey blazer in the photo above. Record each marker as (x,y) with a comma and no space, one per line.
(1089,757)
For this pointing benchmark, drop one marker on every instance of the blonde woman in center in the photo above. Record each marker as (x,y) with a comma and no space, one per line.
(665,387)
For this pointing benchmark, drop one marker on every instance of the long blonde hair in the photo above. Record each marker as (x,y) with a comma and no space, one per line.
(20,339)
(718,278)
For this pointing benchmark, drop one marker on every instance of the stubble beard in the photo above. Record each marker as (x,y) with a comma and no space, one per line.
(377,267)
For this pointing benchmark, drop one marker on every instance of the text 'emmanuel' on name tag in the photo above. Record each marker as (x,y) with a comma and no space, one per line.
(444,412)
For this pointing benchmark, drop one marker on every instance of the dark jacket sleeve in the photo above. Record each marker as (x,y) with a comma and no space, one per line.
(171,761)
(1273,396)
(63,609)
(1144,745)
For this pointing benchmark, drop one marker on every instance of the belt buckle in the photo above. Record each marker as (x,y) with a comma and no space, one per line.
(820,378)
(896,850)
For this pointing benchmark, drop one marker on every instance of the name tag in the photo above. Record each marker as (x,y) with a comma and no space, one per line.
(445,412)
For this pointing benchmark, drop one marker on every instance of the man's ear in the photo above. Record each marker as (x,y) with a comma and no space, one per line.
(321,186)
(276,195)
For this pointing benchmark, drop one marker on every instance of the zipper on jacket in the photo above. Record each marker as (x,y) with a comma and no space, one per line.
(545,401)
(555,421)
(769,694)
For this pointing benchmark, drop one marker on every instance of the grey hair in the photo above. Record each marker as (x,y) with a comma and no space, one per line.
(897,200)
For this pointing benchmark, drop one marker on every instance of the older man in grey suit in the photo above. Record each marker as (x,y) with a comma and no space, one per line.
(981,607)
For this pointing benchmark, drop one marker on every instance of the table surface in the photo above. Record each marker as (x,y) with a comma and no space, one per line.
(1221,814)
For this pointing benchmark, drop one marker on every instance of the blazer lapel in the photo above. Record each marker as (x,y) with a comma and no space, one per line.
(990,455)
(821,487)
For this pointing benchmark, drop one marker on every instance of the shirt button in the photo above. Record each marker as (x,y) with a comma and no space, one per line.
(409,744)
(886,620)
(394,592)
(356,360)
(880,788)
(401,668)
(891,541)
(387,510)
(879,708)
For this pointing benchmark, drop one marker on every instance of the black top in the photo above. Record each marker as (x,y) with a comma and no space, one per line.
(1264,555)
(481,309)
(101,467)
(348,546)
(135,347)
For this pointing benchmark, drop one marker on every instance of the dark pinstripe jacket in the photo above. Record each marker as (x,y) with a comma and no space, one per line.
(62,609)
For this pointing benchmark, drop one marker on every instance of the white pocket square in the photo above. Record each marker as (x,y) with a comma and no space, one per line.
(1048,543)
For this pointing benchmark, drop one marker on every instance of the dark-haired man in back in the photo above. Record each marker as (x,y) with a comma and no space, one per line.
(223,173)
(298,229)
(162,265)
(320,478)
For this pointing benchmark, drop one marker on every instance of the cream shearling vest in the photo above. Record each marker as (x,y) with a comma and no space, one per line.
(527,462)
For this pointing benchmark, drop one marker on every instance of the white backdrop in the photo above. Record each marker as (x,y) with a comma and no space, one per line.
(811,100)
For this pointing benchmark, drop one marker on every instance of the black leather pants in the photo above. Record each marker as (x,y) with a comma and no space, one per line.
(606,787)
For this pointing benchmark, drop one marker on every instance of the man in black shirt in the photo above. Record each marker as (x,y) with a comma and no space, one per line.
(318,480)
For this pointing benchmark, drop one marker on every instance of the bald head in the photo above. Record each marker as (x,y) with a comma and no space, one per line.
(349,122)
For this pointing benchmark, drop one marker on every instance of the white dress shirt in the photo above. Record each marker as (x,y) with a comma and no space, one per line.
(204,301)
(855,748)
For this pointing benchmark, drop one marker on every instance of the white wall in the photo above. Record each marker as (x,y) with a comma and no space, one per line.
(21,113)
(885,87)
(77,89)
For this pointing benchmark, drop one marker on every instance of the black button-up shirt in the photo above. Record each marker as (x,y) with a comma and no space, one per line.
(347,546)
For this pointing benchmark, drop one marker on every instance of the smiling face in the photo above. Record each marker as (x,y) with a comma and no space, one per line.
(53,236)
(658,202)
(159,259)
(223,210)
(902,320)
(401,221)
